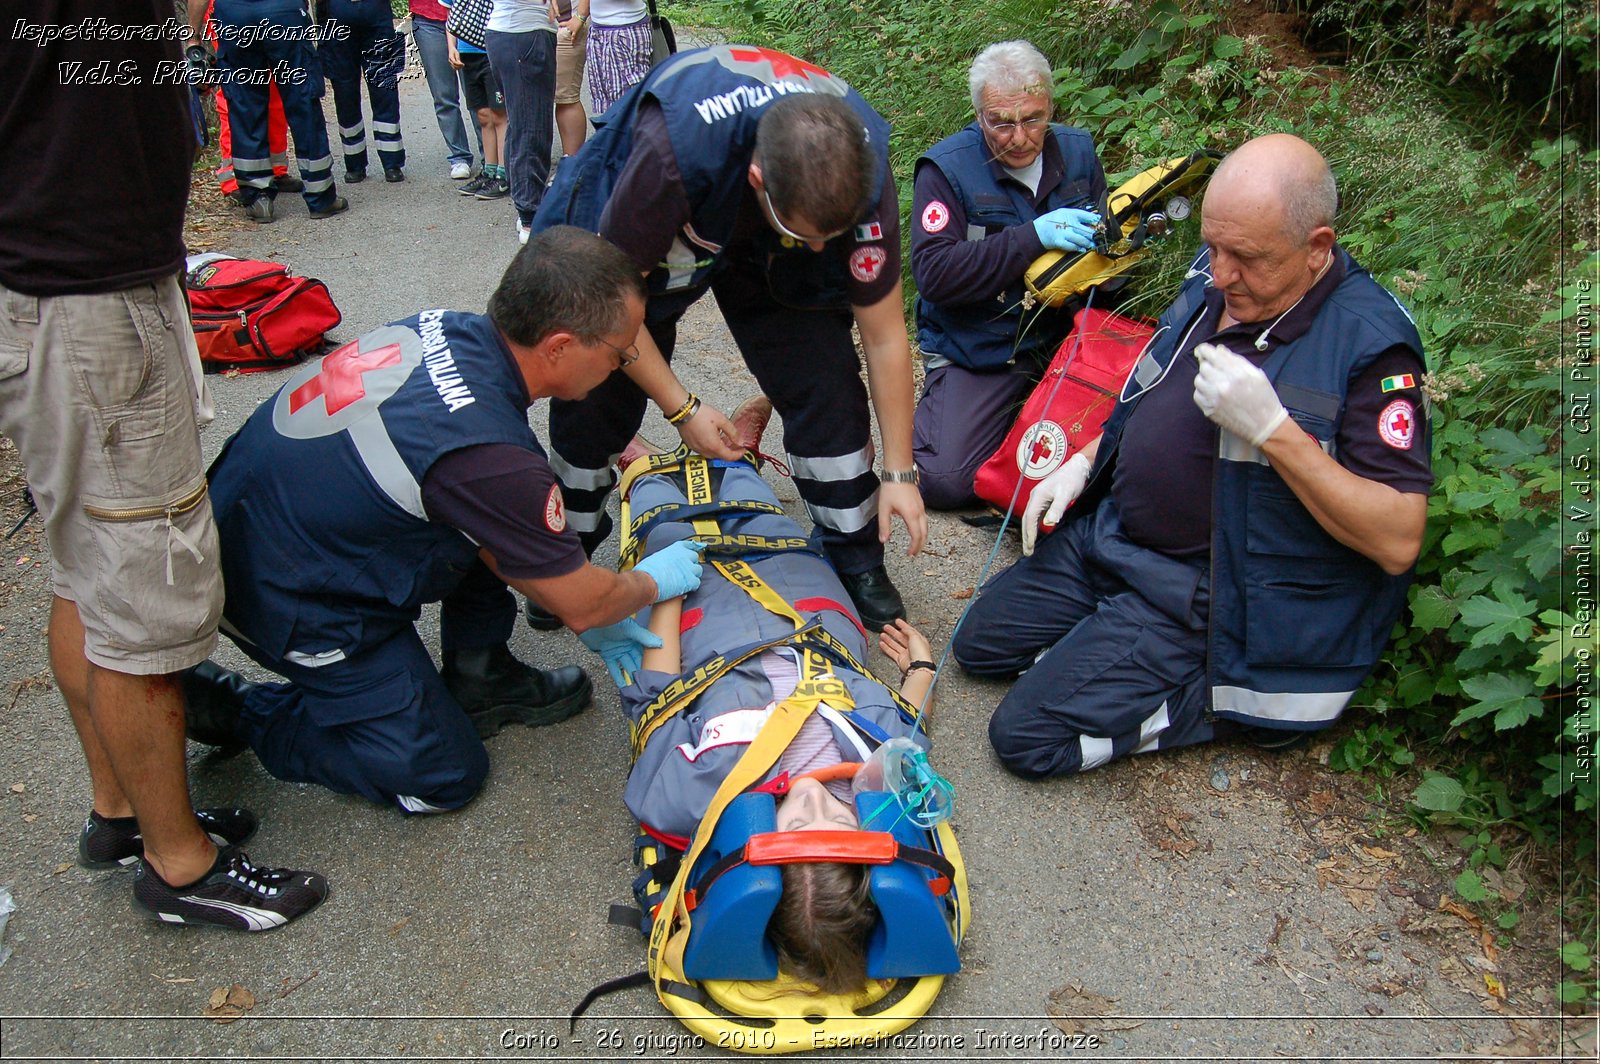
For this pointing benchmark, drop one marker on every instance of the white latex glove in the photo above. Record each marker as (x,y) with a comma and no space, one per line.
(1232,392)
(1052,496)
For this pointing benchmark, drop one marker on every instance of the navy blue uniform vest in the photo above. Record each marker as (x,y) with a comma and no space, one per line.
(712,100)
(326,548)
(989,334)
(1297,618)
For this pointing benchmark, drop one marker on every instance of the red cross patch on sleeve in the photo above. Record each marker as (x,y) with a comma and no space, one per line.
(555,511)
(1397,425)
(935,216)
(866,262)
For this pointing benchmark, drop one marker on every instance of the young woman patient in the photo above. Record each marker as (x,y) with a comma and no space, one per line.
(821,925)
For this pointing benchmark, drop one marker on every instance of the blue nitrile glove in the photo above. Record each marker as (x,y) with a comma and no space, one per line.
(1066,229)
(675,569)
(621,647)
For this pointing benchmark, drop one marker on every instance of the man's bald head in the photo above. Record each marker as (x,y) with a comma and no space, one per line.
(1268,220)
(1279,175)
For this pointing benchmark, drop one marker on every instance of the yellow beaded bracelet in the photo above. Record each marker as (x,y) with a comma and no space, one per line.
(690,407)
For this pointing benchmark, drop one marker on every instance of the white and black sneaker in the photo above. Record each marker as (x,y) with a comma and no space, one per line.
(234,894)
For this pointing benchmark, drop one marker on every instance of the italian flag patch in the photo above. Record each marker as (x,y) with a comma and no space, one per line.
(1398,382)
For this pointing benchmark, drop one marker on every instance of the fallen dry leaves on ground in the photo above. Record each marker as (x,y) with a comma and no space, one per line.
(1079,1011)
(228,1003)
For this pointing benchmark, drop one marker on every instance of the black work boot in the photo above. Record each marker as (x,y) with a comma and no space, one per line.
(875,598)
(495,689)
(539,618)
(213,699)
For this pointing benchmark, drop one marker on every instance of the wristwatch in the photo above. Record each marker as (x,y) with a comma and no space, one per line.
(900,476)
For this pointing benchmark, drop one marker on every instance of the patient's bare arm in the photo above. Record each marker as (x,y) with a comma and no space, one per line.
(666,619)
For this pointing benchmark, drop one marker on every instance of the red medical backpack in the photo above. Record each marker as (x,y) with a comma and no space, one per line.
(1044,437)
(252,315)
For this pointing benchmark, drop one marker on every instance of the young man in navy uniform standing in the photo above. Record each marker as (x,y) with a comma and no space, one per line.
(765,180)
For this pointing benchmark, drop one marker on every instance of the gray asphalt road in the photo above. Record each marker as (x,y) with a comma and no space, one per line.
(1232,905)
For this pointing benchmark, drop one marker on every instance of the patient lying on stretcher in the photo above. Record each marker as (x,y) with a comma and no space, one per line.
(769,623)
(822,921)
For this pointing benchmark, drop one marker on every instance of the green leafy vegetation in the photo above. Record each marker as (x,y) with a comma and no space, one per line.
(1481,218)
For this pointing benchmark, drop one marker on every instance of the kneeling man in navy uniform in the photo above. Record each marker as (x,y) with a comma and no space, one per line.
(1242,534)
(397,471)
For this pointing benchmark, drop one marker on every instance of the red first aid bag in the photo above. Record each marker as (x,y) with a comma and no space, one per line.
(252,315)
(1046,436)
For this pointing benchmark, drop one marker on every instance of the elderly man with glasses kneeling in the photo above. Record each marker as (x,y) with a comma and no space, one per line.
(989,200)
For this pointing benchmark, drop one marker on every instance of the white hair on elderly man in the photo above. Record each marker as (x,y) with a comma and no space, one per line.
(1009,67)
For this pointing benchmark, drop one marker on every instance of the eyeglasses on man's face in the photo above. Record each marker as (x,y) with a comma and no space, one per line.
(772,212)
(1030,124)
(626,356)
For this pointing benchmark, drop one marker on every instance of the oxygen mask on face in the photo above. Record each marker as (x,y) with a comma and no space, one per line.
(901,768)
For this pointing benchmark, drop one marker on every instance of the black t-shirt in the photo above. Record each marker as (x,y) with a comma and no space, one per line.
(96,144)
(505,498)
(1168,451)
(649,207)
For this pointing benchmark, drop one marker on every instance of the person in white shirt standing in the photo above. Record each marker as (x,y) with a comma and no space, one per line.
(521,42)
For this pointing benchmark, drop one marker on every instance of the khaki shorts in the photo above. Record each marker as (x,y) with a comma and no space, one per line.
(98,395)
(570,54)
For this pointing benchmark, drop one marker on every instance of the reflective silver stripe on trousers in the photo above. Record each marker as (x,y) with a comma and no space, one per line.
(583,520)
(1281,705)
(852,520)
(1150,731)
(1093,752)
(357,130)
(580,478)
(251,164)
(388,131)
(313,165)
(321,184)
(384,464)
(314,661)
(417,805)
(837,467)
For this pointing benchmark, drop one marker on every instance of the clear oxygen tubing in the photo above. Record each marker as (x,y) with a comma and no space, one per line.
(1123,396)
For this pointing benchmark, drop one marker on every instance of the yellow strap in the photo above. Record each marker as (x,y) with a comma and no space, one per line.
(669,935)
(634,533)
(742,575)
(685,689)
(661,462)
(697,480)
(664,462)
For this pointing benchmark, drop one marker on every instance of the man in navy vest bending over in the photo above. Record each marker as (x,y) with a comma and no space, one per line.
(989,201)
(764,179)
(400,470)
(1242,534)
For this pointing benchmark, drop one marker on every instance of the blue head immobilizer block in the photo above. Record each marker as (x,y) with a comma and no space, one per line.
(728,937)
